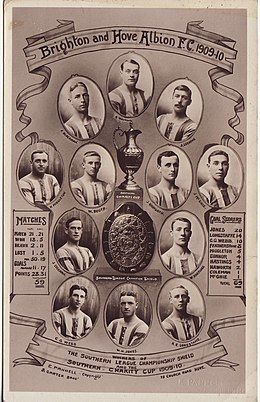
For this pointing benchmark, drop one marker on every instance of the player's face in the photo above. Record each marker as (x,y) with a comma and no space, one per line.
(218,167)
(181,233)
(74,231)
(181,101)
(169,167)
(79,99)
(128,306)
(39,163)
(91,165)
(130,74)
(179,299)
(77,299)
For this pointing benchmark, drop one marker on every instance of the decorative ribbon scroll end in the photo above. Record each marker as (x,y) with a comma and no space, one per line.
(194,24)
(19,136)
(28,93)
(37,323)
(65,22)
(223,363)
(24,360)
(64,27)
(194,28)
(34,137)
(226,138)
(11,297)
(215,74)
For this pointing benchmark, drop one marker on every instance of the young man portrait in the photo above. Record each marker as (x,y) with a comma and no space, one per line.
(81,124)
(179,259)
(70,321)
(216,192)
(127,99)
(180,324)
(39,187)
(128,330)
(166,193)
(88,189)
(71,256)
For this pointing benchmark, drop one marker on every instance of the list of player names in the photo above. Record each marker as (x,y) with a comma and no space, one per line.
(226,254)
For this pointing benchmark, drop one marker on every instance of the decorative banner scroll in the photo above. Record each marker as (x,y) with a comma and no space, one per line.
(63,42)
(28,93)
(216,73)
(235,96)
(50,48)
(140,365)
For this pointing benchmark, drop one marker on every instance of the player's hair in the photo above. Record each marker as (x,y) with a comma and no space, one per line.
(180,287)
(40,151)
(132,61)
(167,154)
(77,287)
(182,220)
(218,152)
(129,293)
(91,153)
(78,84)
(71,220)
(183,88)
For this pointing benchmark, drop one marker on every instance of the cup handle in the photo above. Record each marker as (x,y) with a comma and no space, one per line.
(117,131)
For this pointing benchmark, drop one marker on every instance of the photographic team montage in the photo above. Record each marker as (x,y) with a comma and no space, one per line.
(156,184)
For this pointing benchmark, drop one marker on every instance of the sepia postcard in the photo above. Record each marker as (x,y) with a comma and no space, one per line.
(130,200)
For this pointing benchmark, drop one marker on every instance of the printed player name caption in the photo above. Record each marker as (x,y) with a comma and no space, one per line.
(30,252)
(226,254)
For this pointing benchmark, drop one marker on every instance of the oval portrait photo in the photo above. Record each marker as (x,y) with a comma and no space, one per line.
(40,174)
(182,243)
(75,308)
(179,110)
(128,315)
(130,84)
(81,107)
(181,309)
(92,175)
(220,176)
(75,241)
(169,177)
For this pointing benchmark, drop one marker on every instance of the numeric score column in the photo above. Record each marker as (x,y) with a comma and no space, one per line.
(226,254)
(30,252)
